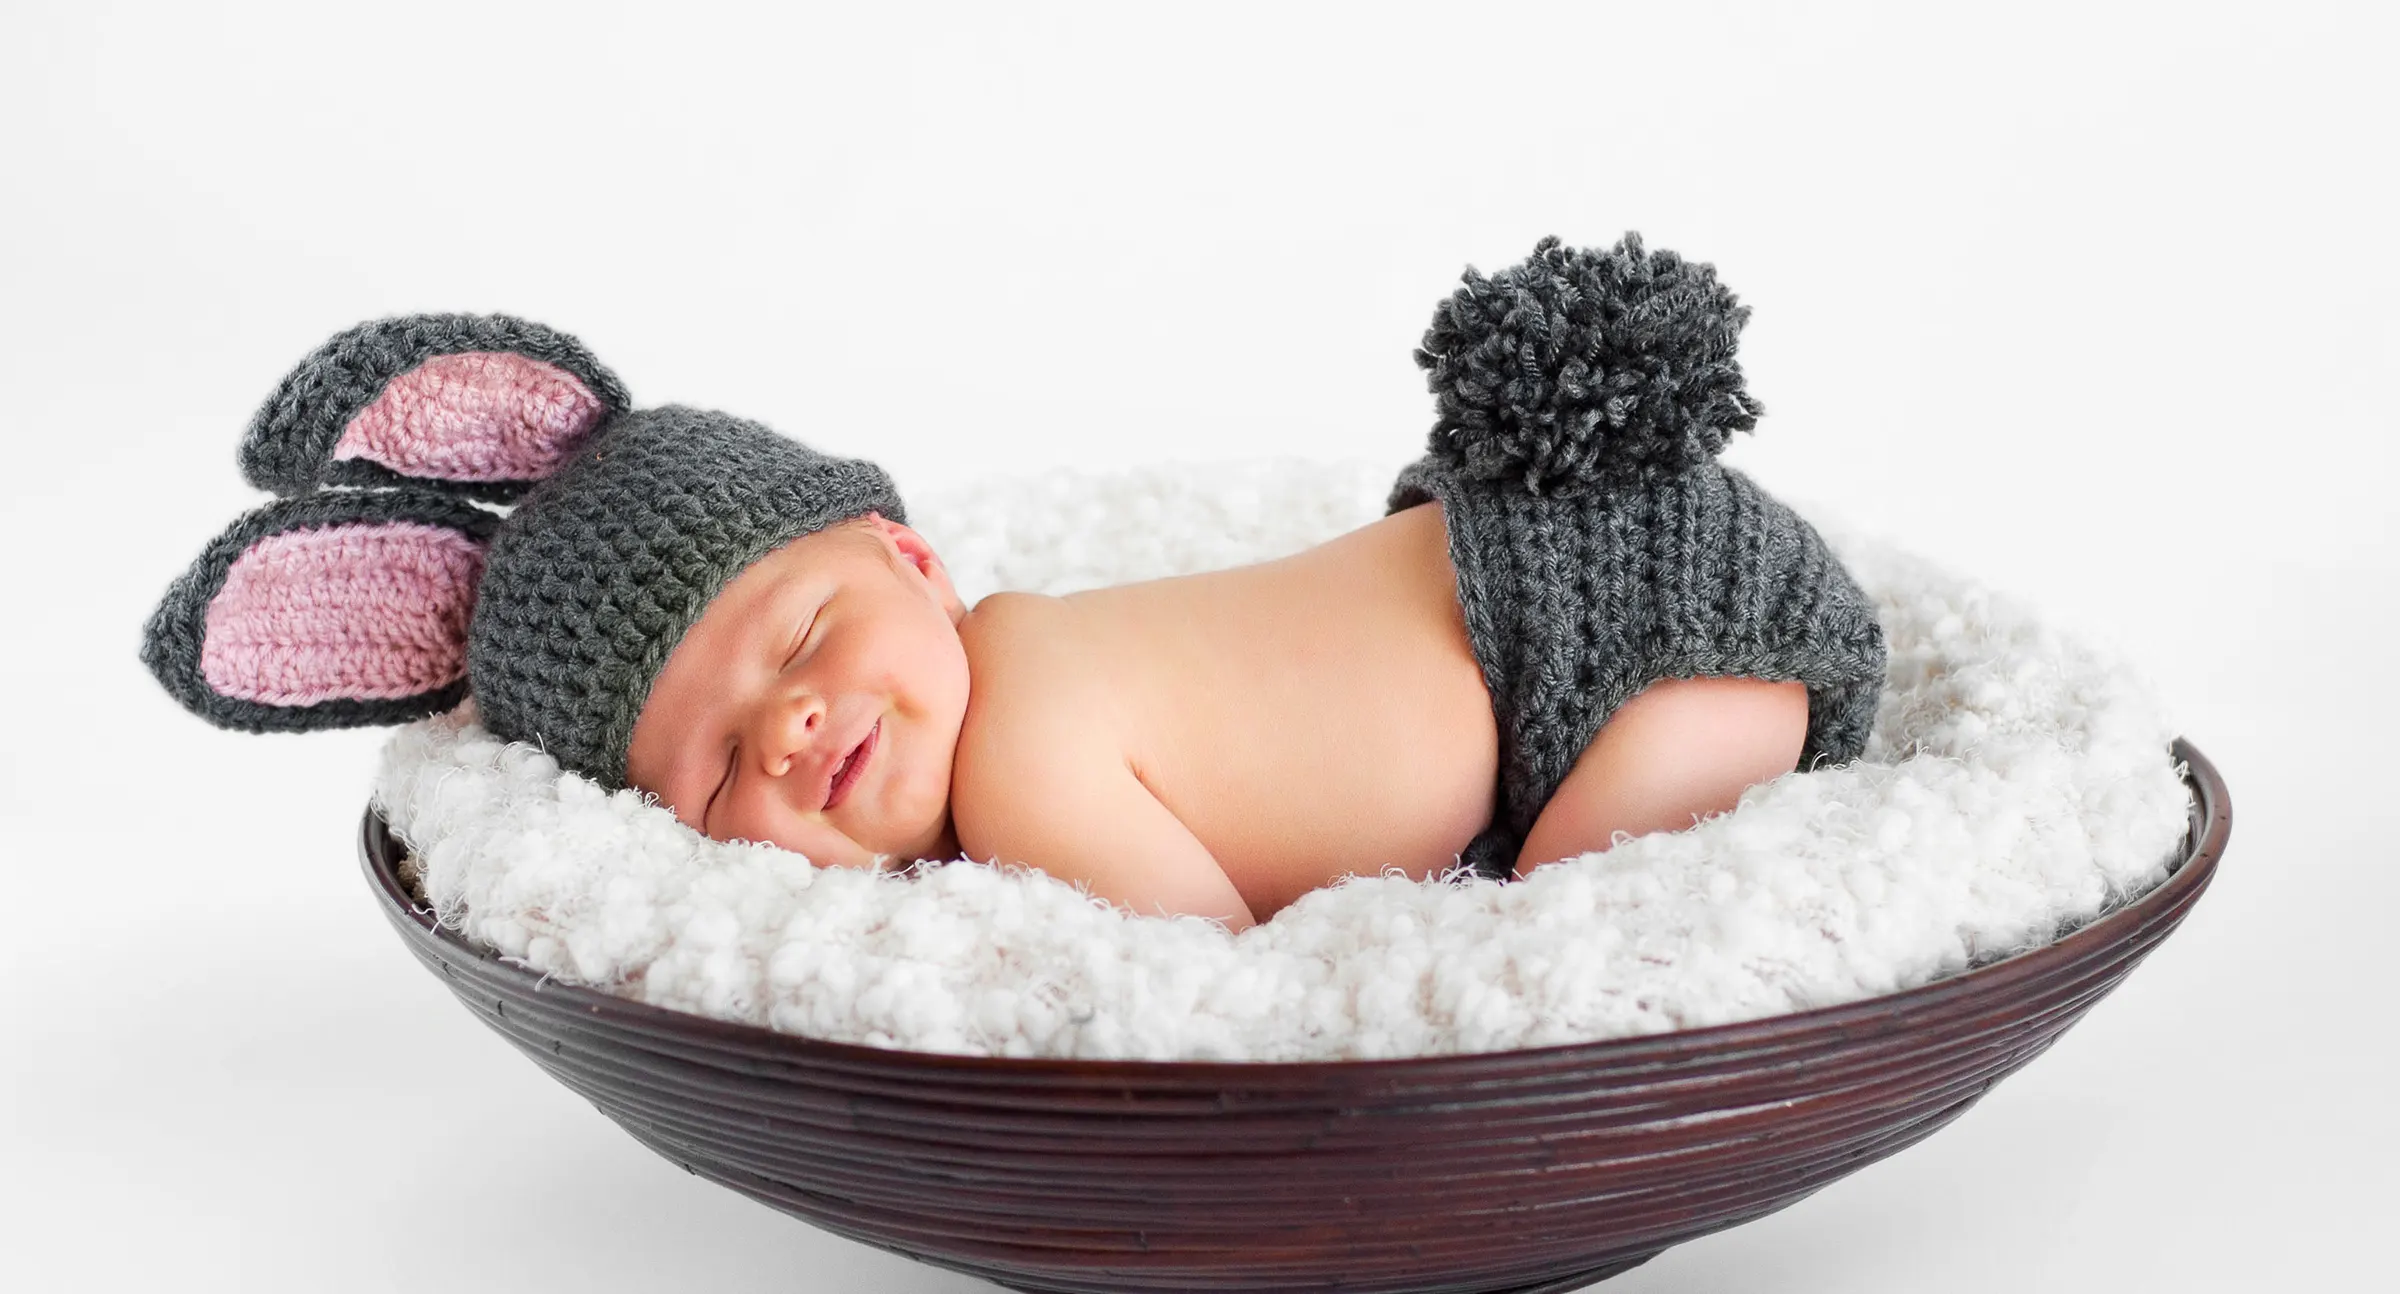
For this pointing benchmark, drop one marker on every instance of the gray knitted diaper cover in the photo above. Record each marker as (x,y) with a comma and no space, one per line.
(1576,601)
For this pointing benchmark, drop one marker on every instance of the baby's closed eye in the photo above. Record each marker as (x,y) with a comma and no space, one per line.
(732,761)
(800,636)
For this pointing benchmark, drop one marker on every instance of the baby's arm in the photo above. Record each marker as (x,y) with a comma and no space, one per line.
(1040,778)
(1077,816)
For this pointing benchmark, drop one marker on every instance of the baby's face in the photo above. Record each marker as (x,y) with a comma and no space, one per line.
(841,637)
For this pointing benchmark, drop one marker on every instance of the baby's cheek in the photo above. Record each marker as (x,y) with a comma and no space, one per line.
(959,684)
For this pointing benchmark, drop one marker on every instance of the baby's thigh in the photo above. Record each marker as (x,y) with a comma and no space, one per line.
(1674,753)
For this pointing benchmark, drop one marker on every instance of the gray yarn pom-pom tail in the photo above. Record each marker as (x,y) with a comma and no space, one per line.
(1581,367)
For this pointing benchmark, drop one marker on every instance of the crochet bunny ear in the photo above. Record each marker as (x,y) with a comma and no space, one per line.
(333,610)
(481,405)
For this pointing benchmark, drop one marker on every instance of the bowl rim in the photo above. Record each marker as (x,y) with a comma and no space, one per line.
(2205,836)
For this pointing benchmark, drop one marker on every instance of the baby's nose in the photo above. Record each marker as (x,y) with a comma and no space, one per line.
(792,730)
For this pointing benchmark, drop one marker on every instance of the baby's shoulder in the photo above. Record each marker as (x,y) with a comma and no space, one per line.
(1036,684)
(1040,720)
(1041,776)
(1022,652)
(1009,629)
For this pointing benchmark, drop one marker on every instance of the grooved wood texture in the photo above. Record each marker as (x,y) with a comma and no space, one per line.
(1524,1172)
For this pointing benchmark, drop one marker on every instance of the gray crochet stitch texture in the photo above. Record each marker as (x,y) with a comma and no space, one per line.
(603,567)
(587,586)
(1583,397)
(289,446)
(173,639)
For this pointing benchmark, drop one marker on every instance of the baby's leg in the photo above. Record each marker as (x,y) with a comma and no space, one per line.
(1673,753)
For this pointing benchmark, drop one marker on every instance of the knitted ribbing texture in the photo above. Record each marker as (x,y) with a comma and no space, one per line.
(1575,603)
(1582,396)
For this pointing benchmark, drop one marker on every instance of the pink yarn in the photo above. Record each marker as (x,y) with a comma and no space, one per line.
(357,611)
(476,416)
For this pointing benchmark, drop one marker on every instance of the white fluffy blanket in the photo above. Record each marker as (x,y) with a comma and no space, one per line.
(2017,784)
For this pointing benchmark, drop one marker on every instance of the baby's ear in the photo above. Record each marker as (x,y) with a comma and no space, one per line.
(333,610)
(480,405)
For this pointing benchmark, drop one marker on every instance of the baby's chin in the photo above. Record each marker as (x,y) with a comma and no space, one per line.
(936,844)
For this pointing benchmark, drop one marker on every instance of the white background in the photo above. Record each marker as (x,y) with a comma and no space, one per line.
(2094,301)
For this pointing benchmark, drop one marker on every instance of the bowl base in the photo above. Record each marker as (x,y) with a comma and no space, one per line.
(1564,1284)
(1560,1285)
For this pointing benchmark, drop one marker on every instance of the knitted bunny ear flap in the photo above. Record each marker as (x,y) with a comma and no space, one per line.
(333,610)
(479,405)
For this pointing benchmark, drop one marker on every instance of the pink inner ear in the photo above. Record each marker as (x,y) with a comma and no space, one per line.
(365,611)
(477,416)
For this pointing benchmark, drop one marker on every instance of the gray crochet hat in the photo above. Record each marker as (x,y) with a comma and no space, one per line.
(378,589)
(1582,398)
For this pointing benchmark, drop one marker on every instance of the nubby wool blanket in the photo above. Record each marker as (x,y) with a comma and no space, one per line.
(2018,782)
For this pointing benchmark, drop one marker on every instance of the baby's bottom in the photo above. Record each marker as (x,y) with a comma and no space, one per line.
(1575,604)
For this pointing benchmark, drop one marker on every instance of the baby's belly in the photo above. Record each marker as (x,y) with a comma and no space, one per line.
(1314,717)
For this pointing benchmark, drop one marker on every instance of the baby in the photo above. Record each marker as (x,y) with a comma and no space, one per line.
(1571,622)
(1215,744)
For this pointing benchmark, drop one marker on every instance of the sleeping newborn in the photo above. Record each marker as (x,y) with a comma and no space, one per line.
(1570,624)
(1215,744)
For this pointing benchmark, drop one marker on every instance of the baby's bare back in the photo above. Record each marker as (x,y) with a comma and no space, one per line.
(1304,718)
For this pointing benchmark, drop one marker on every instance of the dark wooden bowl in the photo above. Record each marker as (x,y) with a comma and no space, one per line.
(1521,1171)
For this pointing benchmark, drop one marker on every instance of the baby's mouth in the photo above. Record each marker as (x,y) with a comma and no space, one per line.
(853,766)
